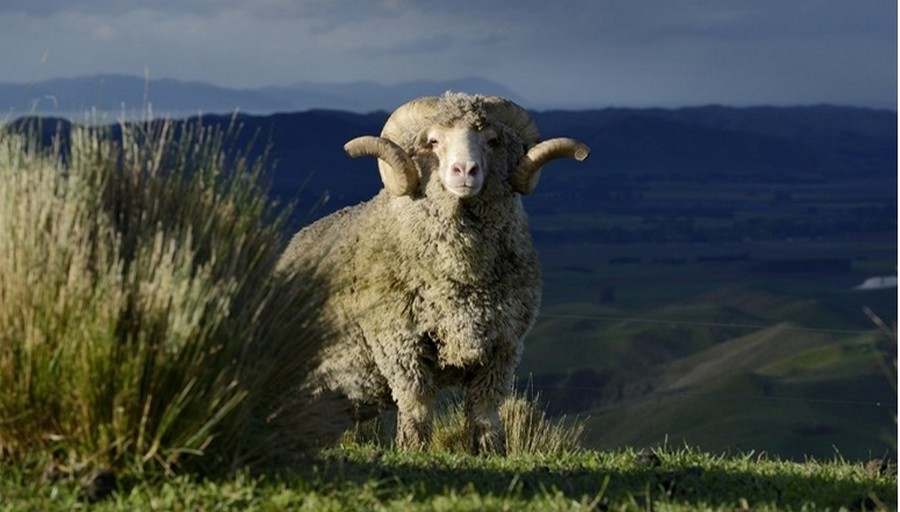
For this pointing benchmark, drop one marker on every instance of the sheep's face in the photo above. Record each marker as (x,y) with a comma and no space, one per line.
(461,156)
(473,146)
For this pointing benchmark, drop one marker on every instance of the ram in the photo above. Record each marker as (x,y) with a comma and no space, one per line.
(435,281)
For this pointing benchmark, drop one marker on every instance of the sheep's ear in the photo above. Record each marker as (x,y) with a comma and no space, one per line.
(398,172)
(525,178)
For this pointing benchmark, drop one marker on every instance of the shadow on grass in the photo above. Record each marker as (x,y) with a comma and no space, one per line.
(636,478)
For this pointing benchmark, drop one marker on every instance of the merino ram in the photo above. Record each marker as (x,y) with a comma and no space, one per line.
(435,280)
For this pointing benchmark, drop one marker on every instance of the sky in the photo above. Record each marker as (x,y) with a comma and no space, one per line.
(578,53)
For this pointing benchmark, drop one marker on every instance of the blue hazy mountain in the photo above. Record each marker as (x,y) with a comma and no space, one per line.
(114,95)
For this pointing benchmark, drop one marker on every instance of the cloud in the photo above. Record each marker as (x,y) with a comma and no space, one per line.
(576,52)
(49,8)
(104,32)
(329,11)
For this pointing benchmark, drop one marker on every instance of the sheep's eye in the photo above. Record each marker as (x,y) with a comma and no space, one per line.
(430,142)
(493,141)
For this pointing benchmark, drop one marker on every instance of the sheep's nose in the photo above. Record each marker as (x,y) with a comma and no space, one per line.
(465,169)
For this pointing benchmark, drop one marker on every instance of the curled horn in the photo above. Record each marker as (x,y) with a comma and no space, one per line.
(527,174)
(397,169)
(524,179)
(399,175)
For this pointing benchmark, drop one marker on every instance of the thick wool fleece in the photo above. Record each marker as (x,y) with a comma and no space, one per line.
(430,291)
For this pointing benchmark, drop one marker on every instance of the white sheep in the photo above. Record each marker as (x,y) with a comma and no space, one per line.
(434,282)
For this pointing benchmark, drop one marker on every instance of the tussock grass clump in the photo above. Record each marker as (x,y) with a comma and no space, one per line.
(527,428)
(530,432)
(141,321)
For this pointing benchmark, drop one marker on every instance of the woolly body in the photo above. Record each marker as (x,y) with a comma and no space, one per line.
(430,289)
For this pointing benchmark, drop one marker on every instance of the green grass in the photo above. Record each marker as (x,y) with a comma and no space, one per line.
(365,477)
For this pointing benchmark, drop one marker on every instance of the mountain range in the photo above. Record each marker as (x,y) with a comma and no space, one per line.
(114,95)
(634,149)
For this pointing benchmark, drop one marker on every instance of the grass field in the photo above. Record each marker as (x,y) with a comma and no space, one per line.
(364,477)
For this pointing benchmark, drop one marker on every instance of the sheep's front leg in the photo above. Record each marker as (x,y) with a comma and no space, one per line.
(486,390)
(414,422)
(483,429)
(412,389)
